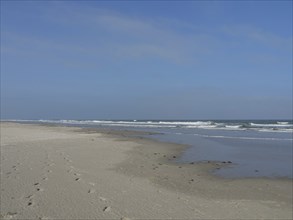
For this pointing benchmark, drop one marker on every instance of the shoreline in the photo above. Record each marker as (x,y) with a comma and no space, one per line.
(164,154)
(137,135)
(144,168)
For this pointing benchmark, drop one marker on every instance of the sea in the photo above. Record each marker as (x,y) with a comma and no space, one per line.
(256,148)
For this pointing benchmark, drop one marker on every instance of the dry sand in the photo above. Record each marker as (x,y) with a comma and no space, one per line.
(50,172)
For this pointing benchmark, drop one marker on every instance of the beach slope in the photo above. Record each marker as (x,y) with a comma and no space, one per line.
(51,172)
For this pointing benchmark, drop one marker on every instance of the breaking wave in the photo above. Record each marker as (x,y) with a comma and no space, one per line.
(260,126)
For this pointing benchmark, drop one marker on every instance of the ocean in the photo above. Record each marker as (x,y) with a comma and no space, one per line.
(256,148)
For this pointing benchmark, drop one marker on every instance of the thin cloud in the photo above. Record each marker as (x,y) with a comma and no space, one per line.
(258,35)
(137,37)
(114,35)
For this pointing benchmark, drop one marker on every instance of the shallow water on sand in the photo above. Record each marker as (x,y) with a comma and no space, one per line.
(255,148)
(252,154)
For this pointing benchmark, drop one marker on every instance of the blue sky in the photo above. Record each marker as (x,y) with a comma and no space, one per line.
(146,59)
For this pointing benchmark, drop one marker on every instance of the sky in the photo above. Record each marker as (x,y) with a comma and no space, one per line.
(146,60)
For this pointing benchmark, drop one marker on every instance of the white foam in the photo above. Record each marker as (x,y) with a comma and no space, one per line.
(232,126)
(282,123)
(279,127)
(271,125)
(288,130)
(197,123)
(140,125)
(244,138)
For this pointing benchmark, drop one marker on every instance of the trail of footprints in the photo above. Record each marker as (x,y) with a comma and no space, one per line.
(38,189)
(13,170)
(49,164)
(37,185)
(76,176)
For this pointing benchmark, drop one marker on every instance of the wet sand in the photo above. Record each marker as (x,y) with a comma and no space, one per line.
(52,172)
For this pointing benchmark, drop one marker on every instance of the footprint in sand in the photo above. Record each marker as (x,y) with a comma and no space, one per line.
(43,217)
(29,196)
(30,201)
(106,209)
(125,218)
(91,191)
(102,199)
(39,189)
(67,159)
(69,171)
(8,174)
(9,215)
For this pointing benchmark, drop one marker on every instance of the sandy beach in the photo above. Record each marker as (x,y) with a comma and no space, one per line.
(51,172)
